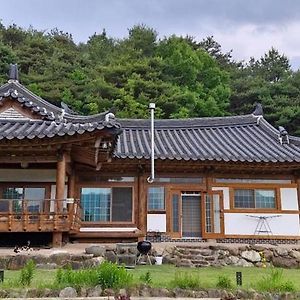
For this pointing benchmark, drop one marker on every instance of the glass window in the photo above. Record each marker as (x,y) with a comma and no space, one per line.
(34,197)
(265,198)
(156,198)
(247,198)
(106,204)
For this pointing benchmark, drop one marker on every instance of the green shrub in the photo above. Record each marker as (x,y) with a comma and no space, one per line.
(84,277)
(27,273)
(111,275)
(146,278)
(224,282)
(274,282)
(186,281)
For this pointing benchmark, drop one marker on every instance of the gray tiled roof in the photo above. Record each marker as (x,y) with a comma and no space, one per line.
(52,119)
(248,138)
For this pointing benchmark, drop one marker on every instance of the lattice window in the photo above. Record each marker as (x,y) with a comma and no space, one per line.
(107,204)
(156,198)
(249,198)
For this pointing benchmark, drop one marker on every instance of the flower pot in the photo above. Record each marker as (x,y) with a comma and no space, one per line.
(158,260)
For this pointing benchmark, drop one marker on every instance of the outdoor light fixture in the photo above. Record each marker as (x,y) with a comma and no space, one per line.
(150,179)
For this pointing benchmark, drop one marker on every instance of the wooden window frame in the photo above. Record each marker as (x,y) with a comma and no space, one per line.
(157,211)
(110,185)
(276,190)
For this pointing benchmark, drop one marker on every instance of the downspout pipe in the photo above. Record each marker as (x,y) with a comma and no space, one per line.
(151,178)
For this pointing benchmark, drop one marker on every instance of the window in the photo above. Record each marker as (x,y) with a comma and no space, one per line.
(34,197)
(107,204)
(156,198)
(248,198)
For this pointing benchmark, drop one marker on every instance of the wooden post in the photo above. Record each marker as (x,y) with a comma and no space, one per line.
(59,195)
(71,194)
(142,222)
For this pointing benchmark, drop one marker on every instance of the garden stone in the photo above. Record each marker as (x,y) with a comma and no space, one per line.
(111,256)
(95,291)
(68,292)
(284,262)
(59,257)
(17,262)
(184,263)
(295,254)
(33,293)
(241,294)
(251,256)
(4,262)
(214,293)
(96,250)
(201,294)
(234,251)
(82,292)
(178,292)
(47,266)
(145,291)
(268,254)
(163,292)
(109,292)
(224,294)
(206,252)
(243,263)
(287,296)
(133,291)
(258,248)
(282,251)
(232,260)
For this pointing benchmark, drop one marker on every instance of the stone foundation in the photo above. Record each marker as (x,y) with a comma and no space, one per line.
(220,255)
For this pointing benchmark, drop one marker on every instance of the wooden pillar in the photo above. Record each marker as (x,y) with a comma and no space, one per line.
(71,194)
(59,196)
(142,222)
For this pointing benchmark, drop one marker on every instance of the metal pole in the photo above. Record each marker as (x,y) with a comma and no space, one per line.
(152,109)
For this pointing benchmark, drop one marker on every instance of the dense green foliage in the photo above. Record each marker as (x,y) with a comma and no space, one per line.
(107,275)
(183,77)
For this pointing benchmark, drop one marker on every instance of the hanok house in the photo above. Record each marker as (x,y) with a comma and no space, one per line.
(65,176)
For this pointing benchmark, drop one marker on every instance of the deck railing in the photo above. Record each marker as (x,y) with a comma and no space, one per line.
(19,215)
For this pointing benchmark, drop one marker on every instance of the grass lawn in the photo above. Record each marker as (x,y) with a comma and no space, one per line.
(162,275)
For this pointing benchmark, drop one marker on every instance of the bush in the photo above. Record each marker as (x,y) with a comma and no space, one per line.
(146,278)
(85,277)
(274,282)
(224,282)
(111,275)
(186,281)
(107,275)
(27,273)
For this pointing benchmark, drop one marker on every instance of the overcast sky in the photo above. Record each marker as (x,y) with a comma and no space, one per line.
(249,27)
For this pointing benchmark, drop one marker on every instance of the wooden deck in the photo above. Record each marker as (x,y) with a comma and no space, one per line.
(48,215)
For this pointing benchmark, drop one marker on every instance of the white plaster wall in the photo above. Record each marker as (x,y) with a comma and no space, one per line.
(156,222)
(289,199)
(225,195)
(27,175)
(241,224)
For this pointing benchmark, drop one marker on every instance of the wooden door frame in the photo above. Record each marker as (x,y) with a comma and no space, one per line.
(169,210)
(206,235)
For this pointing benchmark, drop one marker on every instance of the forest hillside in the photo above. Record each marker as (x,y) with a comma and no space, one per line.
(184,77)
